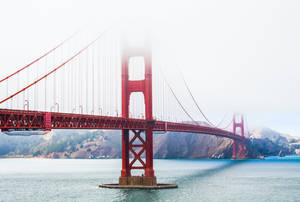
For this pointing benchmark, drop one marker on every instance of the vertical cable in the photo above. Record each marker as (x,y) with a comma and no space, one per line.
(81,83)
(18,86)
(87,82)
(115,76)
(98,78)
(35,89)
(23,98)
(54,81)
(79,76)
(75,69)
(108,81)
(27,96)
(163,101)
(70,89)
(45,85)
(104,78)
(93,79)
(73,87)
(63,90)
(7,92)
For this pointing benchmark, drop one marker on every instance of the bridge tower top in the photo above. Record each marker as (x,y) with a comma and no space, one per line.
(131,86)
(238,124)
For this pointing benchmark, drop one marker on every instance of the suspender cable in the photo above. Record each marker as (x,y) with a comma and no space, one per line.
(7,92)
(18,86)
(35,89)
(116,80)
(45,86)
(62,90)
(77,65)
(81,84)
(99,86)
(93,79)
(87,82)
(54,81)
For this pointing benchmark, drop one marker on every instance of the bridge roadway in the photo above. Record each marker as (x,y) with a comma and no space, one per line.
(37,120)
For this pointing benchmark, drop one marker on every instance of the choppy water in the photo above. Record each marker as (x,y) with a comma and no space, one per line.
(198,180)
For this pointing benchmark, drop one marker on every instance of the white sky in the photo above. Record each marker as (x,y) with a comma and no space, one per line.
(237,56)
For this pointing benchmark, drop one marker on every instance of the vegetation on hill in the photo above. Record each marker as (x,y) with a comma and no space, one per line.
(107,144)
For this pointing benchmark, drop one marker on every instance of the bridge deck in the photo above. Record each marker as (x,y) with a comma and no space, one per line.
(30,120)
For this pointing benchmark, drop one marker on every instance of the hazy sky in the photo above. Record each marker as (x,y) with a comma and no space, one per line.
(237,56)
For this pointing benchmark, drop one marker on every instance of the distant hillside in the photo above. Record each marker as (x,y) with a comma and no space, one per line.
(107,144)
(63,144)
(278,138)
(185,145)
(269,142)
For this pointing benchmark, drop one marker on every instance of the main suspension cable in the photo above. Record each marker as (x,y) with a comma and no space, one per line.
(194,100)
(178,101)
(227,125)
(54,70)
(36,60)
(198,107)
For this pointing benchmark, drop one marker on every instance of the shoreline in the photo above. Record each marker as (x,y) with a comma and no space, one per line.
(258,158)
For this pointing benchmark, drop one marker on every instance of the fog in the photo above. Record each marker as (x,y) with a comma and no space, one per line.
(237,56)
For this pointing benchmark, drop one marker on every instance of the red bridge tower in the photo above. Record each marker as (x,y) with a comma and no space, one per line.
(238,146)
(145,144)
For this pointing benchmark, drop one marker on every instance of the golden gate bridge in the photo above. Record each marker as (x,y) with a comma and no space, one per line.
(78,87)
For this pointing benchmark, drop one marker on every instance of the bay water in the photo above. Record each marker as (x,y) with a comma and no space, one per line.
(272,179)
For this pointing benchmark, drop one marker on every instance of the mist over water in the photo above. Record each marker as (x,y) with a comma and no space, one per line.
(198,180)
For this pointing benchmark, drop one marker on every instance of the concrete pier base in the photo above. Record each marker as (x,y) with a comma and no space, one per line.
(138,182)
(158,186)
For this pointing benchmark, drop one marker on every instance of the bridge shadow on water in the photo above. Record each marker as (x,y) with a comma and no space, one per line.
(209,172)
(182,181)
